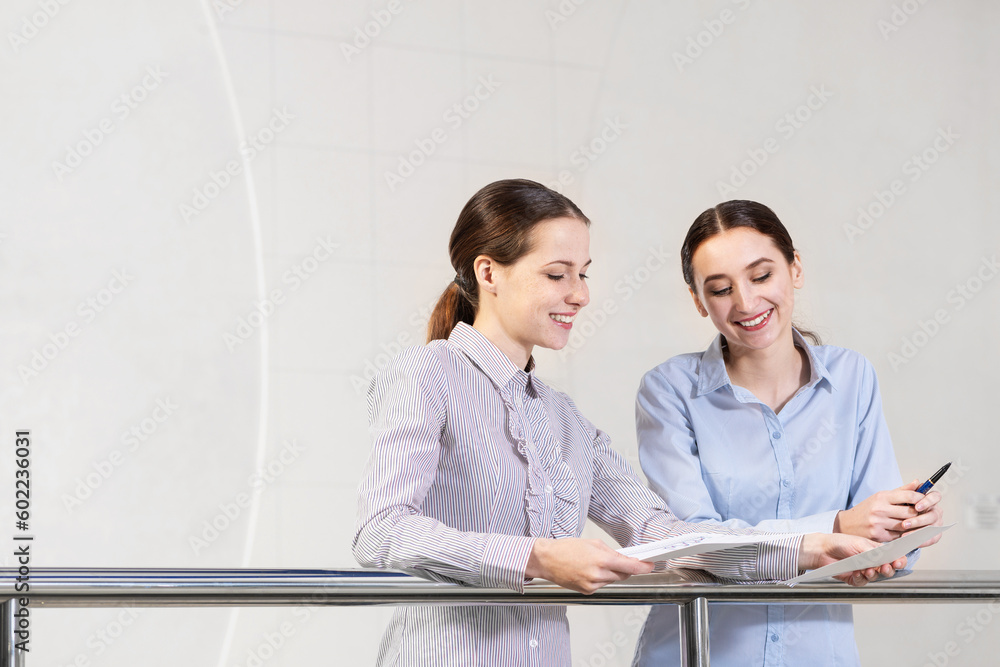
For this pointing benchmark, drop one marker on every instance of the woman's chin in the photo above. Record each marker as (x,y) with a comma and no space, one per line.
(556,343)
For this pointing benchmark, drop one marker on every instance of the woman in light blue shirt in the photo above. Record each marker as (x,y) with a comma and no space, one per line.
(764,430)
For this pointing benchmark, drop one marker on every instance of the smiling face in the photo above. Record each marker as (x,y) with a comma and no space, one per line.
(535,300)
(744,284)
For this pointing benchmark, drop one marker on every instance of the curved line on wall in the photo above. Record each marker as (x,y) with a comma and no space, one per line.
(261,294)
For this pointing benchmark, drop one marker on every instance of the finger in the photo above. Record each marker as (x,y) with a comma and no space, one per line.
(629,566)
(849,578)
(902,501)
(932,517)
(890,534)
(911,486)
(918,521)
(610,577)
(928,501)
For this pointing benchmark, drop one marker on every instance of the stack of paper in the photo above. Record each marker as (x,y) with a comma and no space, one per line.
(691,544)
(700,543)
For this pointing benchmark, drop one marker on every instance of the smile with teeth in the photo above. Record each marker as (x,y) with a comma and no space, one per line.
(565,319)
(749,324)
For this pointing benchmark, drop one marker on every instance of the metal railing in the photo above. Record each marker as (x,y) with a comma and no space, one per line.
(691,591)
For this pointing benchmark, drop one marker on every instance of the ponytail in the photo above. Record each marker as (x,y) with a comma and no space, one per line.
(452,307)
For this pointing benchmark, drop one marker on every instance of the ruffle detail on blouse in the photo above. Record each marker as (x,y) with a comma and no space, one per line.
(556,514)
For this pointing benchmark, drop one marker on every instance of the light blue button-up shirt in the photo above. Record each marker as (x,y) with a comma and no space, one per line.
(715,452)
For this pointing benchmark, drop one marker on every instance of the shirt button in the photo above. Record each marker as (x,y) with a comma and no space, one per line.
(785,483)
(777,435)
(774,638)
(548,488)
(533,643)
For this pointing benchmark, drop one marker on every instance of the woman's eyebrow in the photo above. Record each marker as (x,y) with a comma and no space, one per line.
(569,263)
(755,263)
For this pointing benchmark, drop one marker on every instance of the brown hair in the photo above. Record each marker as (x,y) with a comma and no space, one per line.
(496,222)
(729,215)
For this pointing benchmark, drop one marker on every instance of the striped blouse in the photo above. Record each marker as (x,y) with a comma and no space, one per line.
(474,458)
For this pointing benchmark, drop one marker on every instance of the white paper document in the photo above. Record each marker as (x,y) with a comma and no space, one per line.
(884,553)
(690,545)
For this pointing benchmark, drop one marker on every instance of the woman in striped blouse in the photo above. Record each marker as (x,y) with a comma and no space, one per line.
(480,474)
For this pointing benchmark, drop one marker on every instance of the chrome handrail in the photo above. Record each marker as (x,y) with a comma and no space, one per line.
(692,591)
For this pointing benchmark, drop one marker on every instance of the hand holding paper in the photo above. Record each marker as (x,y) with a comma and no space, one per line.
(884,553)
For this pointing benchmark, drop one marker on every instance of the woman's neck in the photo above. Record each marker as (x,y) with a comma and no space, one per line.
(773,374)
(492,329)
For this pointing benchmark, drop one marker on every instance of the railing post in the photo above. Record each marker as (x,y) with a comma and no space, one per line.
(694,632)
(10,656)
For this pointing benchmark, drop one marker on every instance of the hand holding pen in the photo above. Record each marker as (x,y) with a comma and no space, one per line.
(886,515)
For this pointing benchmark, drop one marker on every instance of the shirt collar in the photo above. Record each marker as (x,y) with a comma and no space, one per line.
(712,372)
(488,357)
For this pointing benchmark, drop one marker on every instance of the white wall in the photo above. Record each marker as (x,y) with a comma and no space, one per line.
(128,298)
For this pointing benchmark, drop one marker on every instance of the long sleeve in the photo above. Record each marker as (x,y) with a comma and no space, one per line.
(875,467)
(407,412)
(668,452)
(624,507)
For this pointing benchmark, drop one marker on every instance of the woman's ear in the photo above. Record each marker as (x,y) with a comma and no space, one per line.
(697,303)
(487,274)
(798,276)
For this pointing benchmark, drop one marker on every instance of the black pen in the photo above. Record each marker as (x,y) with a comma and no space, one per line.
(926,486)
